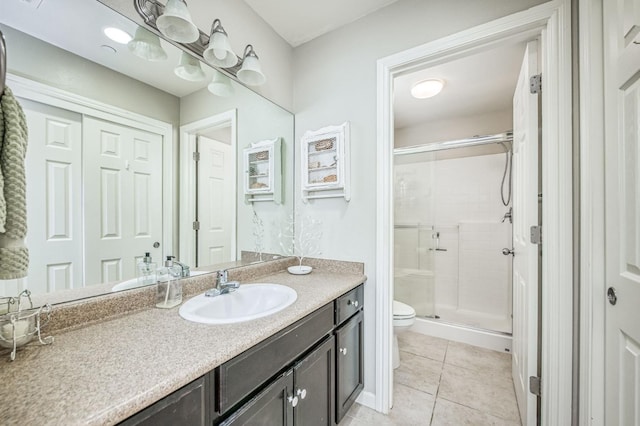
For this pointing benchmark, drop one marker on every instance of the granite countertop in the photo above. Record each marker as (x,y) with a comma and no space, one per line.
(105,372)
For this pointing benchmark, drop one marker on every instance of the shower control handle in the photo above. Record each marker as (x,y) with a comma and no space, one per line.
(507,252)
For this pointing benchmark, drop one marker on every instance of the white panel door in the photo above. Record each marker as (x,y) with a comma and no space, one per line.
(525,260)
(123,199)
(622,211)
(216,201)
(54,202)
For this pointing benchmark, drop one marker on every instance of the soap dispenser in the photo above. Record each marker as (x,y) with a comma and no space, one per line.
(147,270)
(169,288)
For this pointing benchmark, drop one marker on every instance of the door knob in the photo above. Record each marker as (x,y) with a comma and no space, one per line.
(293,400)
(302,393)
(156,244)
(508,252)
(612,296)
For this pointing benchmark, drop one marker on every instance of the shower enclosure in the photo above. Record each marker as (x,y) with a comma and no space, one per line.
(452,222)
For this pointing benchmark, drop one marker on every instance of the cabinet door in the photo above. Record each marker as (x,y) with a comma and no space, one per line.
(314,384)
(186,406)
(270,407)
(349,368)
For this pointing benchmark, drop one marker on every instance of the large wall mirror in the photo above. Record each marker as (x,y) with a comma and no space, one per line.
(111,169)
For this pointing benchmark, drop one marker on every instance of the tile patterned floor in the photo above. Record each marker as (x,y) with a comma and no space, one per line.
(444,383)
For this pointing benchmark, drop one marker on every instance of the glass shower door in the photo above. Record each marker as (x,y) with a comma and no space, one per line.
(414,237)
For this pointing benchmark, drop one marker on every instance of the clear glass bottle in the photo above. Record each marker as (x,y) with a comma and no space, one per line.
(146,271)
(169,288)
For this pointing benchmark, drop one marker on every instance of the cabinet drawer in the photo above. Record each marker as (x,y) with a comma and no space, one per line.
(239,377)
(349,303)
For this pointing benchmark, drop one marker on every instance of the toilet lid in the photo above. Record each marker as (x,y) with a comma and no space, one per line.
(401,310)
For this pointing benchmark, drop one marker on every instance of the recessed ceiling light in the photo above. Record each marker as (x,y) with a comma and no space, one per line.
(427,88)
(118,35)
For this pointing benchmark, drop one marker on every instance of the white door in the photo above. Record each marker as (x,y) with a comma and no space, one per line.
(622,211)
(54,199)
(525,214)
(123,199)
(216,202)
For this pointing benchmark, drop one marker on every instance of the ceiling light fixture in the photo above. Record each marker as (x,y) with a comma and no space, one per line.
(219,51)
(176,24)
(146,45)
(117,35)
(174,19)
(251,72)
(427,88)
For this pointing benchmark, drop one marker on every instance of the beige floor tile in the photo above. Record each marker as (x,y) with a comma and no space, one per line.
(418,372)
(448,413)
(423,345)
(410,408)
(480,359)
(493,397)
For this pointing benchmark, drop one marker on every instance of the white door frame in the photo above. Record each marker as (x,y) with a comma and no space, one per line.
(552,23)
(39,92)
(188,177)
(592,215)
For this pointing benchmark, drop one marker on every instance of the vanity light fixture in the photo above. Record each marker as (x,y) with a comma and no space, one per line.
(176,24)
(251,73)
(189,68)
(213,48)
(146,45)
(220,85)
(117,35)
(427,88)
(219,50)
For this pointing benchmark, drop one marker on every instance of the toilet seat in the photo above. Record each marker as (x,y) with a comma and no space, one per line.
(402,311)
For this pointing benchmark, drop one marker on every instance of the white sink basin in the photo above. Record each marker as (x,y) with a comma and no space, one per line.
(133,282)
(248,302)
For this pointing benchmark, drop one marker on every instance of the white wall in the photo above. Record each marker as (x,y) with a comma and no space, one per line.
(334,80)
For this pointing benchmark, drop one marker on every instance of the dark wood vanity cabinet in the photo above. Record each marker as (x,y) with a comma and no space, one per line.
(303,395)
(186,406)
(349,350)
(308,374)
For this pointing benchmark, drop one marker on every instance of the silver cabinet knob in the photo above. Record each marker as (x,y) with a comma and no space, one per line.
(612,296)
(354,303)
(343,351)
(293,400)
(302,393)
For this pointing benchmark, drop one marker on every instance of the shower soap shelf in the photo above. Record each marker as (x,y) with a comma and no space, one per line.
(20,324)
(325,163)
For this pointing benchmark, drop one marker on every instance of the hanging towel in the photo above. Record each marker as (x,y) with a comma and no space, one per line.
(14,255)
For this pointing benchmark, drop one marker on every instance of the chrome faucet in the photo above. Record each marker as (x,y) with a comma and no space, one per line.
(185,270)
(223,286)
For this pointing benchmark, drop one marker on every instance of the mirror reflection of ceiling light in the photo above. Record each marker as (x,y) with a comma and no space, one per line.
(189,68)
(427,88)
(220,85)
(147,46)
(117,35)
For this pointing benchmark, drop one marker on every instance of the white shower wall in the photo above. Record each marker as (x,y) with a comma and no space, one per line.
(470,282)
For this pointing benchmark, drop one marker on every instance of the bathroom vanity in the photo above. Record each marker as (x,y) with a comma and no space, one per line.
(302,365)
(307,374)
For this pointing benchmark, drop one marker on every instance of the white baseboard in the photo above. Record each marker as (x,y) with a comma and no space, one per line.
(368,399)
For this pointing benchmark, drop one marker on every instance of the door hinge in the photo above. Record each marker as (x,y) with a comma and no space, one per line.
(196,156)
(196,225)
(535,385)
(536,235)
(535,84)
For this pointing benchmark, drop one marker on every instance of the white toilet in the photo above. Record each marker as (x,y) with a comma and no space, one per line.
(403,316)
